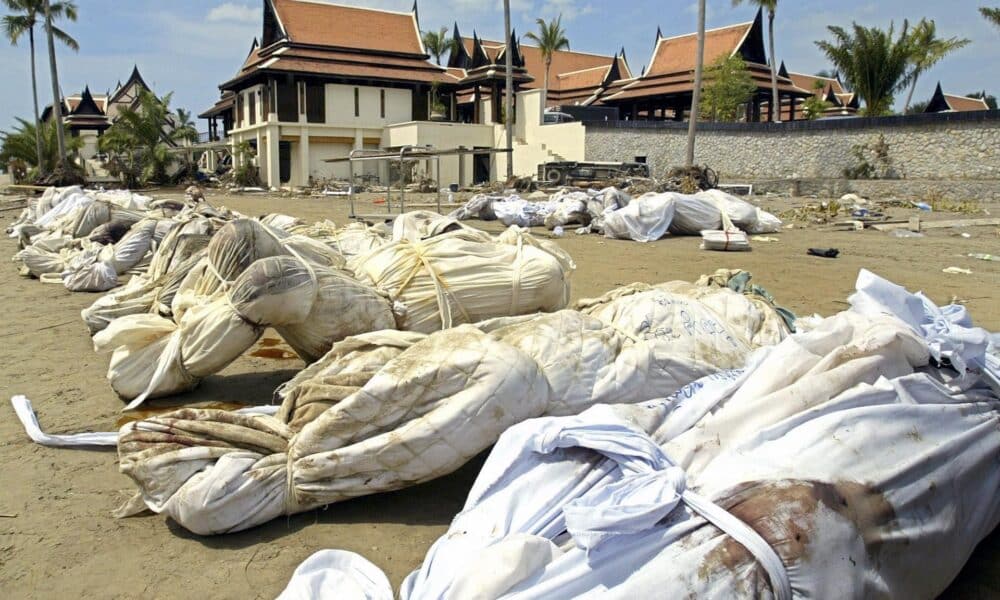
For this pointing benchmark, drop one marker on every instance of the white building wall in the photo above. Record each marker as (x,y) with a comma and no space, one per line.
(340,106)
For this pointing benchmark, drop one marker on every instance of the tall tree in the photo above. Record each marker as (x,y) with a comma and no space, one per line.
(551,38)
(728,85)
(991,14)
(54,72)
(508,94)
(437,43)
(875,63)
(928,50)
(699,66)
(771,6)
(25,17)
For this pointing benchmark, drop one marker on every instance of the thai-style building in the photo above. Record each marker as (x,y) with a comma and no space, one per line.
(574,77)
(841,102)
(87,115)
(942,102)
(664,90)
(324,80)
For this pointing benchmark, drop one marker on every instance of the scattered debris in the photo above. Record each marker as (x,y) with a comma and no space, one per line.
(987,257)
(956,271)
(824,252)
(905,233)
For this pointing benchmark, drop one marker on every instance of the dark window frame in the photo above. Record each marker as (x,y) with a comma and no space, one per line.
(382,102)
(357,102)
(315,102)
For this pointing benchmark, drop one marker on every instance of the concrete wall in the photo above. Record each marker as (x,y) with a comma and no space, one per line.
(947,146)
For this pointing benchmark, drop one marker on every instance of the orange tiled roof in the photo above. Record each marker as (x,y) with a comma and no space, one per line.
(678,53)
(322,24)
(564,62)
(964,103)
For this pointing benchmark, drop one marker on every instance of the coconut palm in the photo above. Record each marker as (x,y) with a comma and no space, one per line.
(875,63)
(21,144)
(551,38)
(991,14)
(928,50)
(771,7)
(437,43)
(25,16)
(699,66)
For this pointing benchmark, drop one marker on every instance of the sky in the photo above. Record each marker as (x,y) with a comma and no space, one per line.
(188,47)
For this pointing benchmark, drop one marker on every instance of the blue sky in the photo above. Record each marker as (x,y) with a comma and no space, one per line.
(190,46)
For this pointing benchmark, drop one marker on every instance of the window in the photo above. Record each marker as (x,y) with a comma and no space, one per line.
(382,102)
(640,159)
(287,101)
(316,102)
(252,107)
(302,97)
(357,102)
(239,110)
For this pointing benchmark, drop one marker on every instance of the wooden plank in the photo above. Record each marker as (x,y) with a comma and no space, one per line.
(29,188)
(915,224)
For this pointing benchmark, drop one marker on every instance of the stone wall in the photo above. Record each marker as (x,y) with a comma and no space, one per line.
(947,146)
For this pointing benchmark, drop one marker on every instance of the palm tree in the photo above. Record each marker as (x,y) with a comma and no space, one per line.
(23,21)
(551,38)
(437,43)
(928,50)
(21,144)
(699,66)
(140,139)
(874,62)
(508,92)
(771,6)
(56,96)
(991,14)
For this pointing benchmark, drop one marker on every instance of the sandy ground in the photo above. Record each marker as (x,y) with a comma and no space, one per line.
(57,536)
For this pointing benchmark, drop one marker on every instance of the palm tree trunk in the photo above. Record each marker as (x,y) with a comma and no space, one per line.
(56,99)
(545,90)
(696,95)
(909,97)
(775,101)
(508,92)
(34,94)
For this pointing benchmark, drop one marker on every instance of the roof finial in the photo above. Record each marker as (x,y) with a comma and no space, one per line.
(416,14)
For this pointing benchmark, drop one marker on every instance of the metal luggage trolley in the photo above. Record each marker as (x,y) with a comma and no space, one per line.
(404,155)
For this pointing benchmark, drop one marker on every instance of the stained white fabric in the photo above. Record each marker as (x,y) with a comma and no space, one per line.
(26,414)
(868,470)
(392,409)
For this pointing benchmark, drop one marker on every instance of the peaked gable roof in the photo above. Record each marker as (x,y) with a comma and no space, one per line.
(317,23)
(942,102)
(124,93)
(679,53)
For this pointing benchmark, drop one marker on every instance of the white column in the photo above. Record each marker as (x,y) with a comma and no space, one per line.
(273,137)
(304,157)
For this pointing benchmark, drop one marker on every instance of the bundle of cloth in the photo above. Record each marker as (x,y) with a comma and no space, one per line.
(652,216)
(616,215)
(855,460)
(390,409)
(153,291)
(455,277)
(88,240)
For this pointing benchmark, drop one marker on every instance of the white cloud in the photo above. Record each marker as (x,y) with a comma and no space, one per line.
(230,11)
